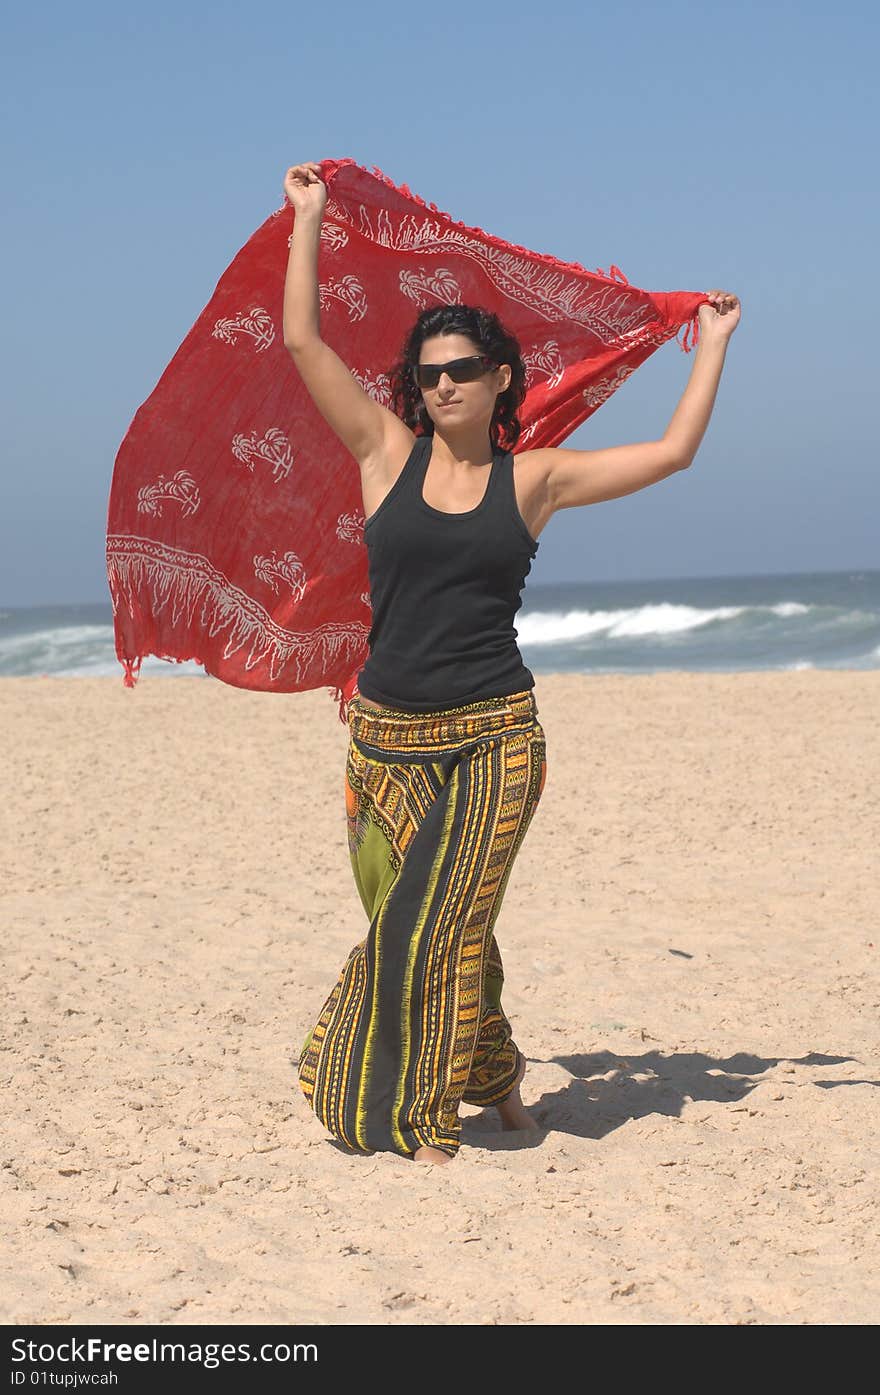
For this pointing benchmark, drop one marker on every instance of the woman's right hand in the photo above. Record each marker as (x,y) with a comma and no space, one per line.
(305,188)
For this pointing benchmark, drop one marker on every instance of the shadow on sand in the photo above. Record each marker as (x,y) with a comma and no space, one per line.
(605,1092)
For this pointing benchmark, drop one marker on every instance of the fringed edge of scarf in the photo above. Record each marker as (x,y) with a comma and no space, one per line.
(329,169)
(691,327)
(155,575)
(342,694)
(132,669)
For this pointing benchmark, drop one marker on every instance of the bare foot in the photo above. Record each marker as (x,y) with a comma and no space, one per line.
(431,1155)
(512,1111)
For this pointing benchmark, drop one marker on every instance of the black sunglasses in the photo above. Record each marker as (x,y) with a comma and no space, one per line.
(460,370)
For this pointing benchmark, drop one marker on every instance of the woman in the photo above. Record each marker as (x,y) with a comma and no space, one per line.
(447,759)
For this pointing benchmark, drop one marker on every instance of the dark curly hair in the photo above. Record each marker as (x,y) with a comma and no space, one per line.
(490,336)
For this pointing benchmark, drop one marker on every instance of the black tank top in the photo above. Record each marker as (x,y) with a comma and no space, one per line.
(444,589)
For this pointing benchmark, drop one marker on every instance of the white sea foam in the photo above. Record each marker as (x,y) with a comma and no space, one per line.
(74,651)
(557,627)
(55,641)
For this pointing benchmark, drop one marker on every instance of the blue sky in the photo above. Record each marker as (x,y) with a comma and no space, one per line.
(693,145)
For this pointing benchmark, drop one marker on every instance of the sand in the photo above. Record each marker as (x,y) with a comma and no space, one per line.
(690,938)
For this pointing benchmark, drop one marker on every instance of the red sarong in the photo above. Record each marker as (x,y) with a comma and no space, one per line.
(235,523)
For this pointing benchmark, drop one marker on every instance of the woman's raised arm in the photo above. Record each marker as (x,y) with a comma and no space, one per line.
(363,425)
(577,477)
(718,320)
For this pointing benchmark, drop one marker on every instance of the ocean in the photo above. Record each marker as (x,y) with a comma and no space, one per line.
(727,624)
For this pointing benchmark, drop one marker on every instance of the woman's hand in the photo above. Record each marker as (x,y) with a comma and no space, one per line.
(305,189)
(719,319)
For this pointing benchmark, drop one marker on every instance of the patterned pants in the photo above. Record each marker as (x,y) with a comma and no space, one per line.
(438,804)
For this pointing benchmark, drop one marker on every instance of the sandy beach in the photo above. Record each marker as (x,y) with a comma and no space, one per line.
(690,941)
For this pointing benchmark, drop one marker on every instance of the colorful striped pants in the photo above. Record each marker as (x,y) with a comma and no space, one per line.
(438,804)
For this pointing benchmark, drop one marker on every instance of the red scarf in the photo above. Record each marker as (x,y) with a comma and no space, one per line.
(234,532)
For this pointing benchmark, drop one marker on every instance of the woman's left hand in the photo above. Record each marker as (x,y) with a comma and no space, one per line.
(719,319)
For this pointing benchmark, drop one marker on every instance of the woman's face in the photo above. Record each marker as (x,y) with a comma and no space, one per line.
(457,405)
